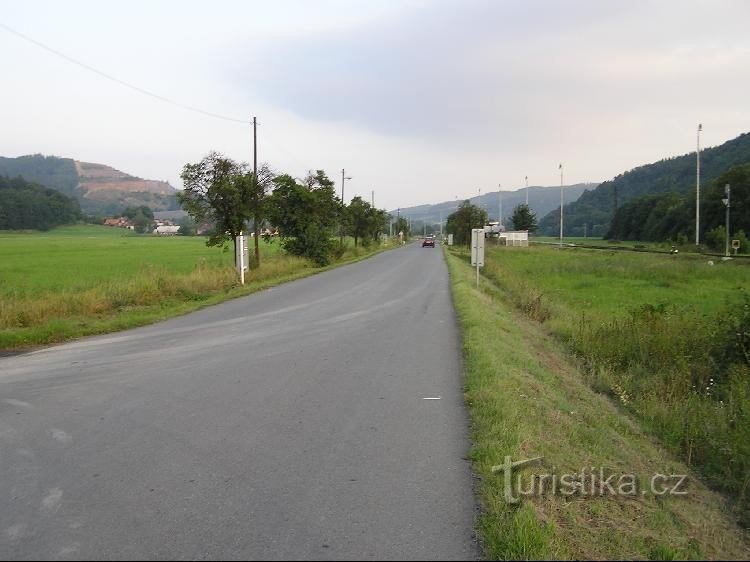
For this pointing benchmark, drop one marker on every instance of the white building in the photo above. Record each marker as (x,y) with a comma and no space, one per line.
(514,238)
(166,230)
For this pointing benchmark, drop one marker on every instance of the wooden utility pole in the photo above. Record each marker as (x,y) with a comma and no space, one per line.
(257,217)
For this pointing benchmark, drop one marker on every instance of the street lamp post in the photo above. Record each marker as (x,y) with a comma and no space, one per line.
(499,206)
(527,190)
(698,186)
(727,190)
(561,204)
(344,177)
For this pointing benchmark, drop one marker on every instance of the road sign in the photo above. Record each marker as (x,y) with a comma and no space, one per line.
(450,240)
(735,246)
(477,247)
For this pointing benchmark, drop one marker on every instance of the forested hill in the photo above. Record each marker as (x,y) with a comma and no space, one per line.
(25,205)
(596,208)
(98,188)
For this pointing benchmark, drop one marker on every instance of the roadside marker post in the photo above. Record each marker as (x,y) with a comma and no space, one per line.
(477,249)
(241,258)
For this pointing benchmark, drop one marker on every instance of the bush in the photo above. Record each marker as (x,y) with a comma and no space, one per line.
(314,242)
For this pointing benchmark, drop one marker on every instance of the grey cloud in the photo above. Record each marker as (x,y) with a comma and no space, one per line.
(491,70)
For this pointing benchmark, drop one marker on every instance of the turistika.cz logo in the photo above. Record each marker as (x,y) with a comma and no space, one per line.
(589,481)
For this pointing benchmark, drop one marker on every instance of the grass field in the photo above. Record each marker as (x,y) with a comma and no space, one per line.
(529,397)
(86,279)
(668,337)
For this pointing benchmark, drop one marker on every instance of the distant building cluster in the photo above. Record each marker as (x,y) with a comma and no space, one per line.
(162,227)
(119,222)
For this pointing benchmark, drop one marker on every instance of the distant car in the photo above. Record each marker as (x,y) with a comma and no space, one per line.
(428,242)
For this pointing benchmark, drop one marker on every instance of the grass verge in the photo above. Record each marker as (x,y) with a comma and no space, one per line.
(527,398)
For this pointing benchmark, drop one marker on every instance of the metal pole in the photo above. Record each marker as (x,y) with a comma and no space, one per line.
(698,187)
(499,206)
(256,217)
(343,179)
(527,191)
(727,190)
(341,226)
(561,204)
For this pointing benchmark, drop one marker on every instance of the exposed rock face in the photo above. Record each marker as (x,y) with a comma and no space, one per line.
(98,188)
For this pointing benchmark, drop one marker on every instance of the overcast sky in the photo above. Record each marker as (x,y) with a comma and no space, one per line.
(420,101)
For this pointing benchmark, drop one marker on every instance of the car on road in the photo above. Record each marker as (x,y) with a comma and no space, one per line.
(429,241)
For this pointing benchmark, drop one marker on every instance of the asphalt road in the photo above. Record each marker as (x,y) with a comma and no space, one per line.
(290,424)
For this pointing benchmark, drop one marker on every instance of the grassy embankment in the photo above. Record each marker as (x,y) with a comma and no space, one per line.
(80,280)
(633,245)
(622,315)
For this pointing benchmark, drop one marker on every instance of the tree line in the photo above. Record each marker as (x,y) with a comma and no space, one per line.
(29,206)
(671,216)
(306,213)
(469,216)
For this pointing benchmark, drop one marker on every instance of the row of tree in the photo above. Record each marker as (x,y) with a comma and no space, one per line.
(306,213)
(25,205)
(469,216)
(671,216)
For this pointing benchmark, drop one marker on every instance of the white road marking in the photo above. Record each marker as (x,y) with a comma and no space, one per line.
(433,398)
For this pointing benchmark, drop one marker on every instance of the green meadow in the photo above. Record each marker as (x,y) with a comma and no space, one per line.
(86,279)
(631,361)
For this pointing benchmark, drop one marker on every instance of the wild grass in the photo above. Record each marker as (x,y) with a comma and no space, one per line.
(528,397)
(82,280)
(662,335)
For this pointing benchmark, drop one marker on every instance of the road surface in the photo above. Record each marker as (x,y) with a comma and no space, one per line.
(301,422)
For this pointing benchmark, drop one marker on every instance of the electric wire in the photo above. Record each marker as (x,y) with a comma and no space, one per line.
(119,81)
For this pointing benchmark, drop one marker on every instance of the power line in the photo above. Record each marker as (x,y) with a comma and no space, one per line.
(121,82)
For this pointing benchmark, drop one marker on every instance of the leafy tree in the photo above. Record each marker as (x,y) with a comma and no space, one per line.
(305,215)
(365,222)
(401,225)
(524,218)
(132,212)
(142,218)
(378,222)
(461,222)
(222,192)
(359,213)
(713,211)
(188,227)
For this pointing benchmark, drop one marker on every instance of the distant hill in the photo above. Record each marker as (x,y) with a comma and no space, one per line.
(541,200)
(99,189)
(596,208)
